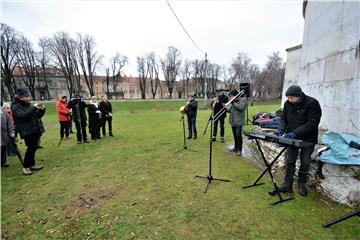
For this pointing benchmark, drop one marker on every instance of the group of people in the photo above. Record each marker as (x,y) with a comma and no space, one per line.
(24,119)
(99,114)
(236,109)
(300,120)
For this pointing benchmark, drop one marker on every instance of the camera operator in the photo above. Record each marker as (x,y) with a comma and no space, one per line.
(79,116)
(217,105)
(28,124)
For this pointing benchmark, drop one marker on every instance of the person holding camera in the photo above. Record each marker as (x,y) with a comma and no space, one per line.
(79,116)
(217,105)
(28,124)
(63,114)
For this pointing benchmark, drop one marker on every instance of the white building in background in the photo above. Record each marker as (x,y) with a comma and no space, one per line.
(327,64)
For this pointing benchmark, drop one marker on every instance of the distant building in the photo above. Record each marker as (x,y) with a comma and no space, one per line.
(327,64)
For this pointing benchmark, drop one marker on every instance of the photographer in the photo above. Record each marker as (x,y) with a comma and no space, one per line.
(63,114)
(28,124)
(217,105)
(79,116)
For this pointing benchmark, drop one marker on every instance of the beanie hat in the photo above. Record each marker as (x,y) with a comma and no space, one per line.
(22,92)
(63,97)
(294,91)
(234,92)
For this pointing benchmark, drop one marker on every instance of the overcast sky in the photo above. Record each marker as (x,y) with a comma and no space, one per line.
(134,28)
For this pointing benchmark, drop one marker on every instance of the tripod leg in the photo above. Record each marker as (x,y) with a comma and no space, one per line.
(340,219)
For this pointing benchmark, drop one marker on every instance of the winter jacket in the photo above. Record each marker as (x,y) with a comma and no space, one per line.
(27,118)
(105,108)
(192,108)
(303,118)
(219,105)
(63,112)
(78,110)
(237,112)
(7,128)
(94,117)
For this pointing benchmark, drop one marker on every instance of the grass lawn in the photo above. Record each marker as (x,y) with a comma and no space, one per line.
(134,186)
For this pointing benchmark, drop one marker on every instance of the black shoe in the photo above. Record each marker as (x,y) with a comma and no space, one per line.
(195,138)
(188,137)
(285,188)
(302,189)
(111,135)
(40,147)
(213,139)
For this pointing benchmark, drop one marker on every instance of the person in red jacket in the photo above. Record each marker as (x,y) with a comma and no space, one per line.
(64,116)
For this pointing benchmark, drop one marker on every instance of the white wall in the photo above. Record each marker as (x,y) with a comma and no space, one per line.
(329,63)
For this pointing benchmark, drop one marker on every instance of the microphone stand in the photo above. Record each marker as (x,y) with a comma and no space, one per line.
(182,119)
(212,119)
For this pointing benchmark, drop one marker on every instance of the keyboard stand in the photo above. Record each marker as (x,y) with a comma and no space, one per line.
(268,169)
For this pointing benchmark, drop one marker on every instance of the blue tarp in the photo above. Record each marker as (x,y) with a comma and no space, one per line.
(340,152)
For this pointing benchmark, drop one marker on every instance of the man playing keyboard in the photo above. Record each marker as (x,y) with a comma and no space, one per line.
(300,120)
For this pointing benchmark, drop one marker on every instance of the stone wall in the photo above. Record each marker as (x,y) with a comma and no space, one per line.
(328,65)
(339,183)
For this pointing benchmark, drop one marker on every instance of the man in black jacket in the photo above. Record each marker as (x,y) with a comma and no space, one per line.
(79,116)
(217,105)
(27,119)
(300,120)
(191,113)
(106,115)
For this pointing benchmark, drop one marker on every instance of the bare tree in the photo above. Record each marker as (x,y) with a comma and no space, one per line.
(241,67)
(185,75)
(229,76)
(199,75)
(43,59)
(9,45)
(88,59)
(62,49)
(153,68)
(214,71)
(107,81)
(27,62)
(273,74)
(117,63)
(143,72)
(170,66)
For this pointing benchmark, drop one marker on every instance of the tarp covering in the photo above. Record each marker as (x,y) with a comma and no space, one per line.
(340,152)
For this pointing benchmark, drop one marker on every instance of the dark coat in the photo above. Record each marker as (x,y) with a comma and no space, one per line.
(219,105)
(105,108)
(7,128)
(302,118)
(27,118)
(192,108)
(94,117)
(78,110)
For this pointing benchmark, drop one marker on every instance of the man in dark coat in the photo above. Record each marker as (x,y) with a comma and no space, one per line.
(106,115)
(300,120)
(7,132)
(94,119)
(191,113)
(28,124)
(79,116)
(217,105)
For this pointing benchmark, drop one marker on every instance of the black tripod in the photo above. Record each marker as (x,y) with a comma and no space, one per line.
(340,219)
(182,119)
(210,177)
(268,169)
(247,114)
